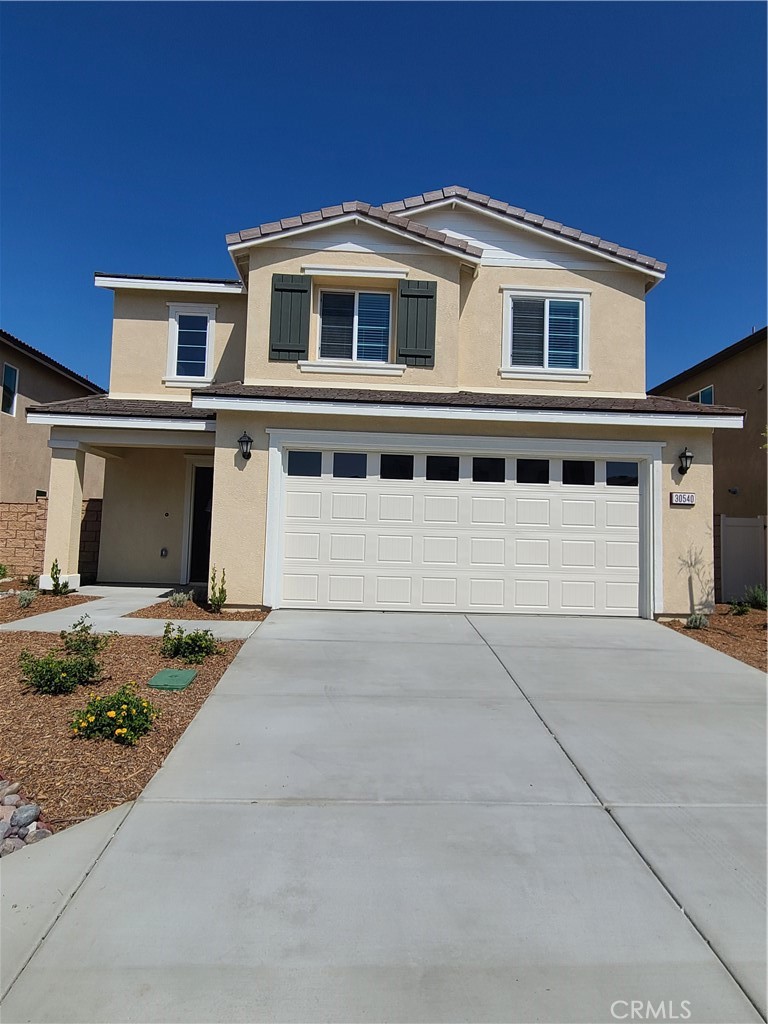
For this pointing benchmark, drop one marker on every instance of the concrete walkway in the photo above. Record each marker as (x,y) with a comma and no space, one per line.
(114,603)
(391,817)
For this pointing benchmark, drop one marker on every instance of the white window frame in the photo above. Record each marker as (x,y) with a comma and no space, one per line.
(696,395)
(510,371)
(15,389)
(354,361)
(175,310)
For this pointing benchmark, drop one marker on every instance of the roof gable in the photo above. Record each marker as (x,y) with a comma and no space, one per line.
(51,364)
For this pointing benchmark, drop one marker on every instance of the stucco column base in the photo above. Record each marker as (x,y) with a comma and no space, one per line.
(65,509)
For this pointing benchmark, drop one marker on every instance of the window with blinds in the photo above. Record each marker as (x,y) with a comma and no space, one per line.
(355,325)
(546,333)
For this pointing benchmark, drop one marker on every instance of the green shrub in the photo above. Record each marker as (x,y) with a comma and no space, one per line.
(180,597)
(5,572)
(58,589)
(217,595)
(81,640)
(696,621)
(31,580)
(26,597)
(739,607)
(122,716)
(53,674)
(756,597)
(193,647)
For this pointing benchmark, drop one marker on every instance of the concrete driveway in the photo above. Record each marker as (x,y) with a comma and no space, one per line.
(393,817)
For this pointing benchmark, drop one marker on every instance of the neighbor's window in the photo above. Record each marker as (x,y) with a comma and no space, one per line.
(10,388)
(706,396)
(546,334)
(190,349)
(355,325)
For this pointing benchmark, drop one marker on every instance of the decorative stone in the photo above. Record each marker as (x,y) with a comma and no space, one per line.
(5,828)
(22,832)
(11,788)
(11,846)
(25,815)
(40,833)
(12,801)
(33,827)
(6,813)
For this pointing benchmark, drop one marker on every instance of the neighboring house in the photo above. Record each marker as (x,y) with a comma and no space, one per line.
(735,376)
(30,376)
(436,404)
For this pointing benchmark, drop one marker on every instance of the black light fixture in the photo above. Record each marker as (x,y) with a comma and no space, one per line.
(245,441)
(686,458)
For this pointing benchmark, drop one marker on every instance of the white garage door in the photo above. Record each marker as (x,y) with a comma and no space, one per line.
(450,532)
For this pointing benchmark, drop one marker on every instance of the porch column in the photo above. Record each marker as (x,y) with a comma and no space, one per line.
(65,509)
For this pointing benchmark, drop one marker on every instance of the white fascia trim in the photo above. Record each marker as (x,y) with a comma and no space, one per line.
(435,412)
(542,233)
(187,382)
(352,368)
(124,422)
(355,218)
(168,285)
(386,273)
(507,373)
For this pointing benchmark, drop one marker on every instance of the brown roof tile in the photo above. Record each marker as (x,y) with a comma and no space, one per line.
(105,406)
(41,357)
(467,399)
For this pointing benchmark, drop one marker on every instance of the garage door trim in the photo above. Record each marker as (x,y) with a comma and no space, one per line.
(646,453)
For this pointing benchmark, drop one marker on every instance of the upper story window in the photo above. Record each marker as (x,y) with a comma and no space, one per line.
(10,388)
(190,343)
(355,325)
(546,334)
(706,396)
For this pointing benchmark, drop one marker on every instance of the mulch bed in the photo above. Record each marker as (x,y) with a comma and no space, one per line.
(742,636)
(10,611)
(193,610)
(73,779)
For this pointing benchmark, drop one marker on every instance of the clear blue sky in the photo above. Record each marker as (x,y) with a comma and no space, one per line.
(135,135)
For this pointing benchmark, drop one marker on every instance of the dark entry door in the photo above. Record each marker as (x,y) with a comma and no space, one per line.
(200,544)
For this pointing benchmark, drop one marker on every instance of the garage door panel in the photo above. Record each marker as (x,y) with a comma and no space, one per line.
(462,545)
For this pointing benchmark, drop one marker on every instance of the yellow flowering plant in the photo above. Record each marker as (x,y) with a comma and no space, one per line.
(123,716)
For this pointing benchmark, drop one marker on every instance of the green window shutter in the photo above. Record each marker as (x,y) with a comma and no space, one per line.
(416,301)
(289,317)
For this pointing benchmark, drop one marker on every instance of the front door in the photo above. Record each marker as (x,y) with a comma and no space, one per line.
(200,541)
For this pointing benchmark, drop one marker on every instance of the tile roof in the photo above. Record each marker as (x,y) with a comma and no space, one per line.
(466,399)
(738,346)
(53,364)
(358,209)
(107,406)
(412,205)
(403,213)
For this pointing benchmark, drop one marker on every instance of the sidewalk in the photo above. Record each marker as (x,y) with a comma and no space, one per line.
(116,602)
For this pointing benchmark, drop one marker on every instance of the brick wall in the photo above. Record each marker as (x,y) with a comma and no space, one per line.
(22,537)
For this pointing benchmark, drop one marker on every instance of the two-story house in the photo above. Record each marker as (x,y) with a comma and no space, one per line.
(436,404)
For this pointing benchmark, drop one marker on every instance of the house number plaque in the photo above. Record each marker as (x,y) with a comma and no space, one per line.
(682,498)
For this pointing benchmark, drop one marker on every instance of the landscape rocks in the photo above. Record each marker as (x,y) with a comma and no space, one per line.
(20,823)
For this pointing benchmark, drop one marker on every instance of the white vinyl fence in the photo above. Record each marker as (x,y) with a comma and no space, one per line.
(742,554)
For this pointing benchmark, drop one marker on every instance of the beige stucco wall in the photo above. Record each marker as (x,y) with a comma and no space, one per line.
(140,336)
(143,511)
(616,357)
(268,260)
(25,458)
(240,496)
(740,460)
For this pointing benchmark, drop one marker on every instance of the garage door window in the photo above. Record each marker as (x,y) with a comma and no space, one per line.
(488,471)
(533,471)
(396,467)
(578,473)
(350,465)
(442,467)
(305,464)
(621,474)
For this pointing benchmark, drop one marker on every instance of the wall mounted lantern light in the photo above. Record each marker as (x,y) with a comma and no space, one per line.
(245,442)
(686,458)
